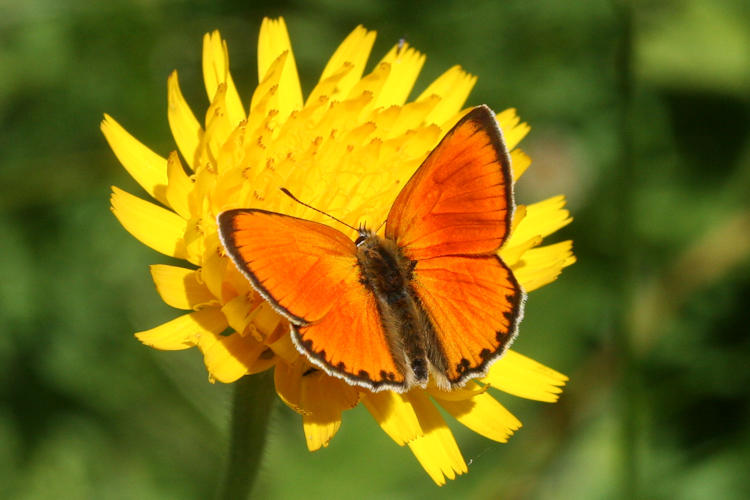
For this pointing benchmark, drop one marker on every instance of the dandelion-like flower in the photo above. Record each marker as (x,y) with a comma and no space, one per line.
(348,148)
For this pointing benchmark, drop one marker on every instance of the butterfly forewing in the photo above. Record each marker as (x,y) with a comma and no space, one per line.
(459,202)
(301,267)
(309,273)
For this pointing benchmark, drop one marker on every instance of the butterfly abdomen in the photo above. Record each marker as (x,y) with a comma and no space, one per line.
(387,273)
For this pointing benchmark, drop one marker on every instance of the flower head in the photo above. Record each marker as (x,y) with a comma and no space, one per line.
(347,147)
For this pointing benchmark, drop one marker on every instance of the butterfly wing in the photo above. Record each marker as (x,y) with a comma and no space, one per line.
(475,305)
(309,273)
(350,343)
(460,200)
(450,219)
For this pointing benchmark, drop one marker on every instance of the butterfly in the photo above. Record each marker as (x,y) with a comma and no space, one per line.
(429,300)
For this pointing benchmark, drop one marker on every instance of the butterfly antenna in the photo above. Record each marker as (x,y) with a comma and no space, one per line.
(286,192)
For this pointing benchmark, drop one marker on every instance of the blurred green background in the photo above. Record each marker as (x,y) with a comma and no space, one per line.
(650,324)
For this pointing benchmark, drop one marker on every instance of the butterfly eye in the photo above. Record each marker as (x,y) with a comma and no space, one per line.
(360,239)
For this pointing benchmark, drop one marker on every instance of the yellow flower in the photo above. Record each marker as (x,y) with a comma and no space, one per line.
(346,148)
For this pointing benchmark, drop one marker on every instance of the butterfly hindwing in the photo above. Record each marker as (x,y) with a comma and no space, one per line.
(350,342)
(460,200)
(309,273)
(475,304)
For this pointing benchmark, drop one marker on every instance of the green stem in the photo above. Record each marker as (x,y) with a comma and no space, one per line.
(626,248)
(252,403)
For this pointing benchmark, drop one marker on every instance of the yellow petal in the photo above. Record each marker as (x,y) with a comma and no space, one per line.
(352,54)
(185,331)
(371,85)
(146,167)
(394,414)
(272,42)
(231,153)
(180,287)
(229,357)
(540,266)
(436,450)
(399,123)
(287,379)
(218,127)
(520,162)
(513,249)
(482,414)
(283,346)
(460,394)
(179,187)
(512,254)
(405,64)
(265,98)
(152,225)
(322,92)
(322,399)
(513,129)
(213,268)
(237,312)
(542,219)
(320,430)
(238,283)
(265,319)
(186,129)
(216,72)
(453,87)
(521,376)
(518,216)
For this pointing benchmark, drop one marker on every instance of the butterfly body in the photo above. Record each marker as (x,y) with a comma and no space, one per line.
(429,301)
(388,274)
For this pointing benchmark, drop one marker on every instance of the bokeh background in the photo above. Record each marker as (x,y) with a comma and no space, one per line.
(639,115)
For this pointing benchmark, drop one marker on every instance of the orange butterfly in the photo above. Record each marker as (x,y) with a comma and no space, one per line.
(431,298)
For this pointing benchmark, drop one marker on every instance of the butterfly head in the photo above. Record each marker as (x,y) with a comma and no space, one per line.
(363,235)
